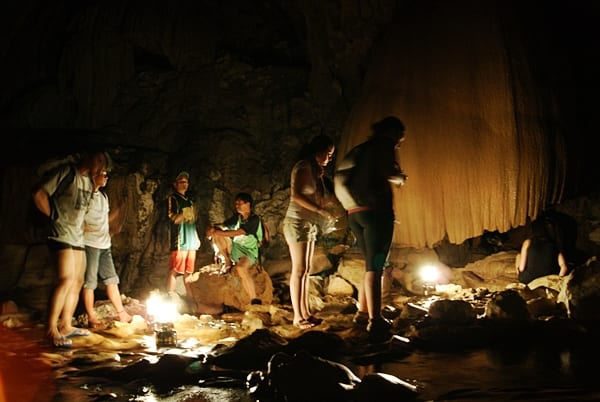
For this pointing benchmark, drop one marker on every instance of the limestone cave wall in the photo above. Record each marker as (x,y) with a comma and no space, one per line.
(485,97)
(495,102)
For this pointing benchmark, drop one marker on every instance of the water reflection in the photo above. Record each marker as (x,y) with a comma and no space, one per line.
(534,374)
(32,371)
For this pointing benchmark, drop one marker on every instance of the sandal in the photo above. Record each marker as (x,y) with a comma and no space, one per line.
(78,332)
(303,324)
(314,320)
(62,342)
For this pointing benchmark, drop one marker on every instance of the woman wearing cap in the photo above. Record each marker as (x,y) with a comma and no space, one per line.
(184,239)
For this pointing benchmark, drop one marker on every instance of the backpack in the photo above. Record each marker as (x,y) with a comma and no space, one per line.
(344,179)
(38,225)
(50,166)
(262,233)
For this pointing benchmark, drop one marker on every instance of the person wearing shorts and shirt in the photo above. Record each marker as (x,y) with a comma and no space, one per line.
(184,239)
(236,240)
(99,260)
(306,211)
(66,206)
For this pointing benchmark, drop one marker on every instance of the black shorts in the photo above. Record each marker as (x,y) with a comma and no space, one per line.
(54,246)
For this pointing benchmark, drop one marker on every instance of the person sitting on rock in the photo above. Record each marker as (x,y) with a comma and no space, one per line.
(540,254)
(236,242)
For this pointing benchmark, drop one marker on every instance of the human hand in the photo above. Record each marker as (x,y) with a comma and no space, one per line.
(330,225)
(188,214)
(398,180)
(326,214)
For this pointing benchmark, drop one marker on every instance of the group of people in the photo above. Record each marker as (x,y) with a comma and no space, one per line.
(236,241)
(363,185)
(80,241)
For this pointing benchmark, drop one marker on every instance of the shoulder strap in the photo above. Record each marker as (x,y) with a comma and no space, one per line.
(68,179)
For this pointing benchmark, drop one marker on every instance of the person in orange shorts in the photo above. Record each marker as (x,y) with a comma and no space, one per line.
(184,239)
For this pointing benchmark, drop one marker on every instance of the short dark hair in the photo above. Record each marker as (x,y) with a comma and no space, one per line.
(389,125)
(244,197)
(320,143)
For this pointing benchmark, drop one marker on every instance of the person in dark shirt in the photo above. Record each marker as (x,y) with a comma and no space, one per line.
(184,239)
(367,197)
(540,254)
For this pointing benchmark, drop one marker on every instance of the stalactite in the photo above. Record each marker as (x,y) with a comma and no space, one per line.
(477,150)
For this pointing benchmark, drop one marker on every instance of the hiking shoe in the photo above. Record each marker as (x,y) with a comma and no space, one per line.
(379,330)
(361,318)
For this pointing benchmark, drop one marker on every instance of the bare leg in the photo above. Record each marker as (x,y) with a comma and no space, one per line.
(362,297)
(171,281)
(298,256)
(64,265)
(187,282)
(243,269)
(372,285)
(88,302)
(73,290)
(305,290)
(112,291)
(223,245)
(386,286)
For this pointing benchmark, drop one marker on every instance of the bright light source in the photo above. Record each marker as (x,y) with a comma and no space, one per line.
(161,310)
(163,313)
(430,274)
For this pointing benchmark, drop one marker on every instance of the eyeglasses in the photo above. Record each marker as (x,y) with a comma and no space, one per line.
(102,174)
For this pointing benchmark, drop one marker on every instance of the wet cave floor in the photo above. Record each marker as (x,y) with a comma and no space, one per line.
(541,362)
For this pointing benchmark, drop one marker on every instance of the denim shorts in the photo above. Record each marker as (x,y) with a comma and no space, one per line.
(99,264)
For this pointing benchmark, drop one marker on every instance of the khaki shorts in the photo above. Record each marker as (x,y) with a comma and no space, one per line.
(297,230)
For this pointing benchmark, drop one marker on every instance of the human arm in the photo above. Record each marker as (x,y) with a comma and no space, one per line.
(303,178)
(225,229)
(214,231)
(173,212)
(386,163)
(562,263)
(116,219)
(41,199)
(523,259)
(398,178)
